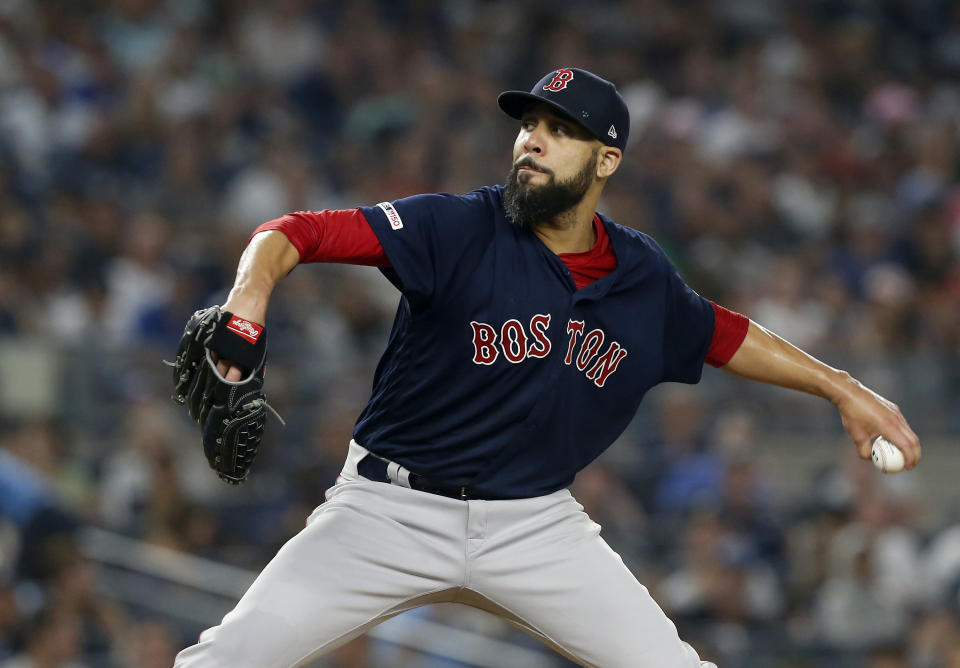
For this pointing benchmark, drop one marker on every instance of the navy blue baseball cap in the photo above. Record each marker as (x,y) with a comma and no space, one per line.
(581,96)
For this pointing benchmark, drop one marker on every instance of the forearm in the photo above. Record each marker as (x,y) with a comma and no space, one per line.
(268,258)
(763,356)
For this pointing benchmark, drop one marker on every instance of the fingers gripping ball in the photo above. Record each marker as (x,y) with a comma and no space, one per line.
(886,456)
(231,414)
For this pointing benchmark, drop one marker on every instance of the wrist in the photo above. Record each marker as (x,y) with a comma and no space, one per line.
(247,303)
(838,386)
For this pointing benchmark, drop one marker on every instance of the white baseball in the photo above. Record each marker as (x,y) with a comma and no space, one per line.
(886,456)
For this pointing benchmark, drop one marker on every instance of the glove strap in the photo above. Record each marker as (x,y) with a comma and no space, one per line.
(239,341)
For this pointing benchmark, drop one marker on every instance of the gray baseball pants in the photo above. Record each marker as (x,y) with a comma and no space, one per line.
(374,550)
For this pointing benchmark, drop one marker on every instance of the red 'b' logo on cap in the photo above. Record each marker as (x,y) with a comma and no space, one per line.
(560,80)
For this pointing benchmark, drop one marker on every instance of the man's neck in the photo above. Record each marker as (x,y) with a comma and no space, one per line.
(570,232)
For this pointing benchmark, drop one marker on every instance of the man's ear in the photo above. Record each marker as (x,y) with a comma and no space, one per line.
(609,160)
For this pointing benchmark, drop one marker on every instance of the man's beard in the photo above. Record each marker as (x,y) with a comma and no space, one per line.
(528,204)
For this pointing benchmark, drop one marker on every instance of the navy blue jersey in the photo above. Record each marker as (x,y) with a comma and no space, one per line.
(499,374)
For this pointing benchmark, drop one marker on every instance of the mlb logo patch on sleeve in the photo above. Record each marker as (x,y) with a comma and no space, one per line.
(248,330)
(392,215)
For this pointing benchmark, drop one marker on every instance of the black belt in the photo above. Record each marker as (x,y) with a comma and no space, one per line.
(374,468)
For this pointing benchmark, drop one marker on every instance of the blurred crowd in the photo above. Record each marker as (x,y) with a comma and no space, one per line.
(799,161)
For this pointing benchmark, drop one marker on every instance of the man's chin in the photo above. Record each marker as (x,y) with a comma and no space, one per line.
(530,179)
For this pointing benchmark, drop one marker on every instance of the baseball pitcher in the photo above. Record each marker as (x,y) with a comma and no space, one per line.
(529,329)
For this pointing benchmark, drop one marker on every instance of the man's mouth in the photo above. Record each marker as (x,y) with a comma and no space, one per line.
(528,164)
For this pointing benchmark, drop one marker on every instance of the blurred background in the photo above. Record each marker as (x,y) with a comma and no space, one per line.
(799,161)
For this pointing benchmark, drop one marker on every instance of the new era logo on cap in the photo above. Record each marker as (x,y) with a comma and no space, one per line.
(582,97)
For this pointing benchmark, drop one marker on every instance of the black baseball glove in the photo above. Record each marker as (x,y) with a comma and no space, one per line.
(231,414)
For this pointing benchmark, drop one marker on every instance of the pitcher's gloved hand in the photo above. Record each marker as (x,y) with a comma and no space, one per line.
(231,414)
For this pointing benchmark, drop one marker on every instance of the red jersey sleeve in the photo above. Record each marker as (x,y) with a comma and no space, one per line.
(330,236)
(729,331)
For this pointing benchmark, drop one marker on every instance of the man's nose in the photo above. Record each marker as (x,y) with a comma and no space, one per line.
(533,143)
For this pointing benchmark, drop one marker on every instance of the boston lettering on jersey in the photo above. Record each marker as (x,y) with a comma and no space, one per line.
(499,373)
(517,345)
